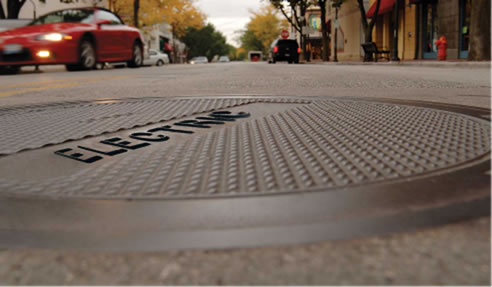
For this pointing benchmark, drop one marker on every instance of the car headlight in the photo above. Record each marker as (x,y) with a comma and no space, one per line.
(54,37)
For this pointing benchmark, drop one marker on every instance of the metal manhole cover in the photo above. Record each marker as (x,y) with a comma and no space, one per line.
(222,172)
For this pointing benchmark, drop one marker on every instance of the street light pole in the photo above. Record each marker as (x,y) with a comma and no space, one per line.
(395,32)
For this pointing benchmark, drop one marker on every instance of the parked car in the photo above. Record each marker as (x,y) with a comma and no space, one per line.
(156,58)
(199,60)
(284,50)
(224,59)
(78,38)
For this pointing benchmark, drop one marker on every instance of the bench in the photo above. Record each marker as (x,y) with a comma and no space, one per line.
(371,48)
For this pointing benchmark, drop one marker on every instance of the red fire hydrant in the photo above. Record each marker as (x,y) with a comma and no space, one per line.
(442,45)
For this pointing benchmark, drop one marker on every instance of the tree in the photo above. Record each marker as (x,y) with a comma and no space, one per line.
(299,17)
(205,41)
(241,54)
(250,42)
(181,15)
(13,8)
(266,25)
(2,13)
(232,52)
(368,26)
(136,8)
(177,13)
(480,31)
(263,28)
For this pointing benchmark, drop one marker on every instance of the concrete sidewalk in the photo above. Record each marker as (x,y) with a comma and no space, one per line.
(415,63)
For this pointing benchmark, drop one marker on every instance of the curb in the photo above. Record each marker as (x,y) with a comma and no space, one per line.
(433,64)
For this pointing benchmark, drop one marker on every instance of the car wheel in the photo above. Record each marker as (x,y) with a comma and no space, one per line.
(87,58)
(137,57)
(159,63)
(274,61)
(9,70)
(71,68)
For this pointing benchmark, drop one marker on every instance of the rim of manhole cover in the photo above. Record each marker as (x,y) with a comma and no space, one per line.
(219,172)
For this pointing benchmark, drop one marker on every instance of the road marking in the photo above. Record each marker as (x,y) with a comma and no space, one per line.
(61,85)
(35,83)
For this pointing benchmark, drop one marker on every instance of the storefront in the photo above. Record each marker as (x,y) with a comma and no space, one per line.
(421,23)
(383,30)
(430,30)
(449,18)
(314,44)
(465,17)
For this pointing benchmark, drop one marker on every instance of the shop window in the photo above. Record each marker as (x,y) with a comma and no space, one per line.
(431,31)
(465,14)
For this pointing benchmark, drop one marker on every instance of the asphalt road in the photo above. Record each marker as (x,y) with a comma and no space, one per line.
(455,254)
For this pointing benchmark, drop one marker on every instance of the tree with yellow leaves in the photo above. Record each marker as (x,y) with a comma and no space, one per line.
(263,28)
(180,14)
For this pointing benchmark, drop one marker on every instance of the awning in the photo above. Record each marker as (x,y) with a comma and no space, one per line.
(385,7)
(167,47)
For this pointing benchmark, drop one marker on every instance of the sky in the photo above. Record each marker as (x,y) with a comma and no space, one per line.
(229,16)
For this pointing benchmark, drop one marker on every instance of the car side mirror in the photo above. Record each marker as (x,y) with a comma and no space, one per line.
(103,22)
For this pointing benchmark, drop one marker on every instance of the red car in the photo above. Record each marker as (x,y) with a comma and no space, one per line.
(77,38)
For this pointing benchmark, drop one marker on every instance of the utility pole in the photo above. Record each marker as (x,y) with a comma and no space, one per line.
(335,59)
(395,32)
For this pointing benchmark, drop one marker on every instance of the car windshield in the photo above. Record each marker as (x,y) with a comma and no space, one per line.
(66,16)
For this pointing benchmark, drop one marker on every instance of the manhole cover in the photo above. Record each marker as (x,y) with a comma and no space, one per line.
(238,171)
